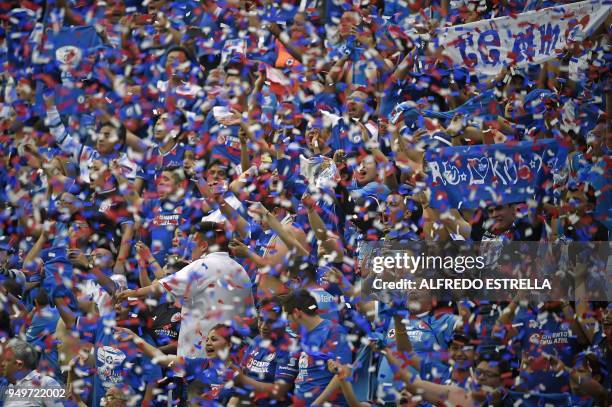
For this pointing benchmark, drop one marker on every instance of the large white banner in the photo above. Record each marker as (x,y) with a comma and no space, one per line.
(531,37)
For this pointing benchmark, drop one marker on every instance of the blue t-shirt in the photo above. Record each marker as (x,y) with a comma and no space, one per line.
(347,137)
(429,336)
(40,333)
(308,367)
(210,377)
(534,399)
(374,189)
(116,362)
(4,384)
(155,162)
(544,334)
(263,361)
(164,217)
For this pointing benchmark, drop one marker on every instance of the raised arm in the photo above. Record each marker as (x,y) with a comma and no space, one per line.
(283,37)
(277,390)
(127,230)
(437,394)
(329,242)
(153,290)
(146,259)
(35,250)
(156,355)
(506,318)
(380,157)
(453,222)
(340,380)
(62,137)
(212,199)
(336,71)
(287,235)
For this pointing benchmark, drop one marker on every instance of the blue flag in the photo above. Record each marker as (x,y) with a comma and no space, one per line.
(475,176)
(72,52)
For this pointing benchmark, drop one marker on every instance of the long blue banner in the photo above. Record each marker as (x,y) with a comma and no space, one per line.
(476,176)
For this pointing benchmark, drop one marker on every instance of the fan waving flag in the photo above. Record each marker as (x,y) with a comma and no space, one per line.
(73,51)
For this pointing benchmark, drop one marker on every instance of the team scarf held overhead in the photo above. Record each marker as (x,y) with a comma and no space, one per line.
(474,176)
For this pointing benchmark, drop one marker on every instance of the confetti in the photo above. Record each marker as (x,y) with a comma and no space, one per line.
(194,193)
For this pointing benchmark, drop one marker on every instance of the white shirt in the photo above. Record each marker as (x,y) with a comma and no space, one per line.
(35,380)
(214,289)
(216,215)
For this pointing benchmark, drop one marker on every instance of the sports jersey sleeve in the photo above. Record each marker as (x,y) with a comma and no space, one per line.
(124,215)
(68,143)
(179,284)
(146,169)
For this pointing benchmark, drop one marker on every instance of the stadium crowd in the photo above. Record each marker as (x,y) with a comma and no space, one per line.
(188,187)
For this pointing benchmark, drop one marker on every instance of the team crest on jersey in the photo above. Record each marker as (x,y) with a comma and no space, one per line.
(303,363)
(391,333)
(215,389)
(106,205)
(270,357)
(176,317)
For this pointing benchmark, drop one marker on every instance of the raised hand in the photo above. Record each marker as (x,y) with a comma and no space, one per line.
(77,257)
(123,295)
(49,100)
(124,334)
(142,251)
(234,119)
(238,249)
